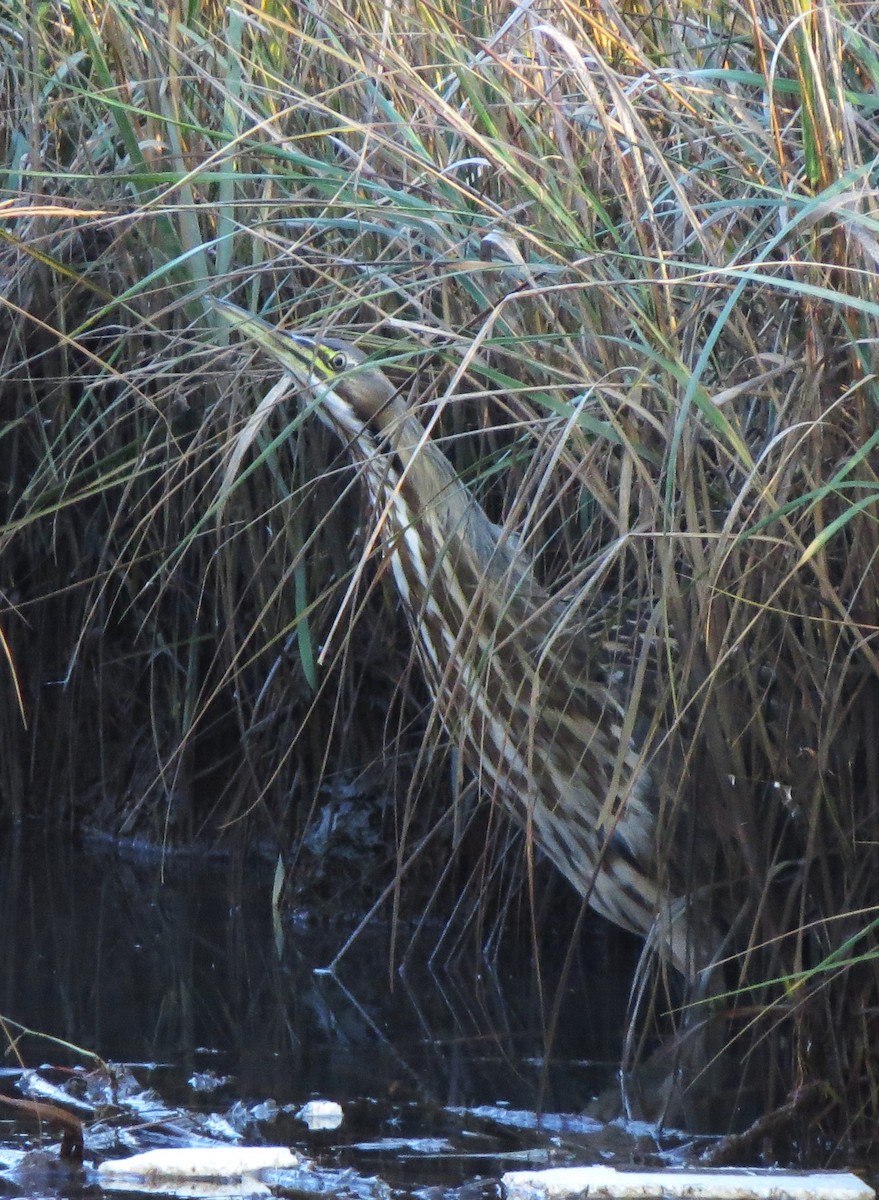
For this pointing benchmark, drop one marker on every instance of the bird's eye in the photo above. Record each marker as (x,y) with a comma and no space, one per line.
(339,361)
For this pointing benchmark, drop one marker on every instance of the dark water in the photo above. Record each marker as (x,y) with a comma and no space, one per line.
(175,967)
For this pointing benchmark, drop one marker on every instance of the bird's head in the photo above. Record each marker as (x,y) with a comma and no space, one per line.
(359,403)
(351,395)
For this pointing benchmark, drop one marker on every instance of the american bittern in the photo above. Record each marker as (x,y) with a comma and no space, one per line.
(517,685)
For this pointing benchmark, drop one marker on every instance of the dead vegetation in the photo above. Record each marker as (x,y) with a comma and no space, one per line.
(630,254)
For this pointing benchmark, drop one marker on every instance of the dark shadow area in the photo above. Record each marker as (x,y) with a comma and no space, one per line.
(174,961)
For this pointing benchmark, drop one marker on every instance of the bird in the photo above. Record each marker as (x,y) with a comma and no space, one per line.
(519,681)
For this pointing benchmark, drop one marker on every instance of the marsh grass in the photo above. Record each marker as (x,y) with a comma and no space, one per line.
(626,257)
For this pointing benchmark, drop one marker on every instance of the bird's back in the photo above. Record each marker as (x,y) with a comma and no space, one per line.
(527,689)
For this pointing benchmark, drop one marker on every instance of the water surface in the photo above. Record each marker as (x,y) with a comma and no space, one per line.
(175,967)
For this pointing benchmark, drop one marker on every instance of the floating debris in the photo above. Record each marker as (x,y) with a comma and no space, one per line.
(214,1171)
(571,1183)
(321,1114)
(208,1081)
(544,1122)
(417,1145)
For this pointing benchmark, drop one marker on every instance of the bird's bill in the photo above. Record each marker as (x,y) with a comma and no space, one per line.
(294,351)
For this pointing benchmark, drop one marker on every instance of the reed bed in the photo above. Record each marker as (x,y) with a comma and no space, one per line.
(627,255)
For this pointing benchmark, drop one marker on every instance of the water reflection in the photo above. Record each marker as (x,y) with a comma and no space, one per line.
(174,962)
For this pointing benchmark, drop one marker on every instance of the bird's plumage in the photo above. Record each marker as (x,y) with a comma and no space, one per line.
(517,677)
